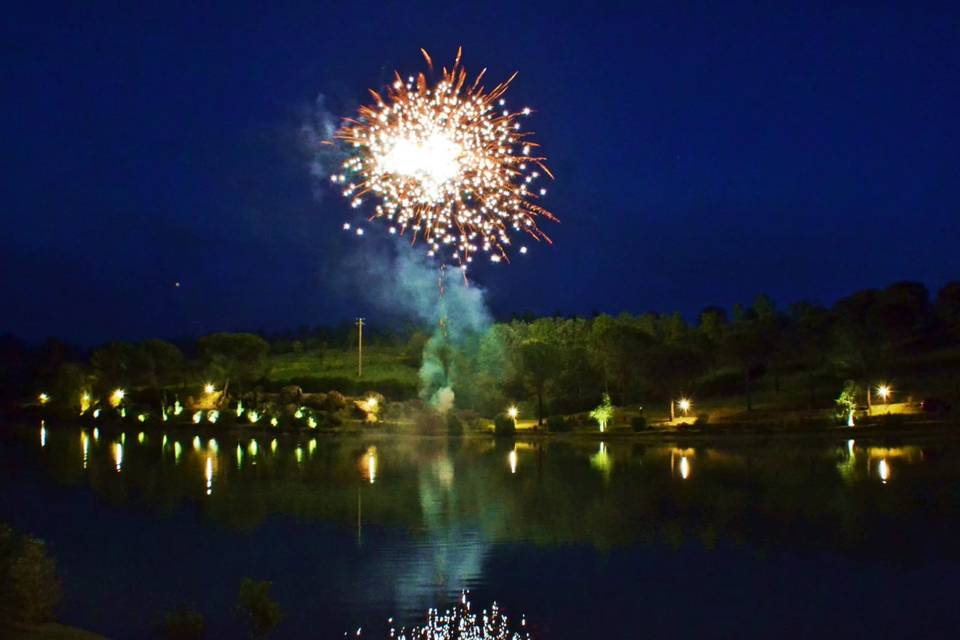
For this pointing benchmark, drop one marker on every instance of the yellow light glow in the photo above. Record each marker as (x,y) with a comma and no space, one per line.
(239,455)
(96,434)
(372,464)
(883,470)
(298,413)
(177,450)
(274,422)
(298,452)
(212,446)
(43,398)
(141,417)
(684,467)
(196,443)
(312,422)
(85,445)
(253,448)
(209,388)
(253,416)
(117,397)
(197,417)
(141,437)
(177,408)
(84,402)
(513,412)
(684,405)
(118,455)
(212,416)
(209,475)
(372,404)
(884,391)
(512,461)
(312,446)
(273,446)
(240,408)
(850,419)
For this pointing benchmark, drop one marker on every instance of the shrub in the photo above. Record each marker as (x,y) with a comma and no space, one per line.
(503,425)
(261,612)
(702,419)
(29,587)
(183,624)
(558,424)
(638,423)
(334,402)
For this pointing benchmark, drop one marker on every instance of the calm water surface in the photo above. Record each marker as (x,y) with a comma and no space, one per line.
(589,539)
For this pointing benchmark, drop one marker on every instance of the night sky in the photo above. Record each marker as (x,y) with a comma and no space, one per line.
(703,153)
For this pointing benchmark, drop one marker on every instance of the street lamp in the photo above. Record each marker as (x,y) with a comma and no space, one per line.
(884,391)
(209,388)
(684,405)
(513,412)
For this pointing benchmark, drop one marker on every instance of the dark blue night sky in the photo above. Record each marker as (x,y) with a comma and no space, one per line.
(704,152)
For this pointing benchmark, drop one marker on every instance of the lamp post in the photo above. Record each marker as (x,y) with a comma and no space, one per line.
(360,347)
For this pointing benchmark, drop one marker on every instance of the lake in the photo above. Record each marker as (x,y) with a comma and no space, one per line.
(797,537)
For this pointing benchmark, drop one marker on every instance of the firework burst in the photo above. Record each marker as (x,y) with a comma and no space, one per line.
(447,162)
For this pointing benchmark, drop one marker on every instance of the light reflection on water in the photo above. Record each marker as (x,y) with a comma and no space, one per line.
(449,504)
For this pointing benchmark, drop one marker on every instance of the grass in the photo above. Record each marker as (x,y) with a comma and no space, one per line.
(389,369)
(379,363)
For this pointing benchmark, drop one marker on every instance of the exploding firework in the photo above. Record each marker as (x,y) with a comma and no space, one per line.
(447,162)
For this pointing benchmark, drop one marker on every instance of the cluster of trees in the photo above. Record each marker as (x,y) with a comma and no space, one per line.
(561,364)
(565,364)
(157,369)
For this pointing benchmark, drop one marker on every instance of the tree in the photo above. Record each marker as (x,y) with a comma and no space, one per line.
(183,624)
(540,362)
(847,401)
(113,365)
(165,361)
(29,587)
(617,346)
(261,612)
(745,347)
(240,358)
(947,308)
(603,413)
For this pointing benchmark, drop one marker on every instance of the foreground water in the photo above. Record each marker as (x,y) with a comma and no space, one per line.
(588,539)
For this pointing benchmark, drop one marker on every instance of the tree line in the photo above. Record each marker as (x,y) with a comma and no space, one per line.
(561,365)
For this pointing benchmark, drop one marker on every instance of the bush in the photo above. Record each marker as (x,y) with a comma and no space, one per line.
(454,425)
(29,587)
(504,425)
(639,423)
(558,424)
(702,419)
(183,624)
(335,401)
(261,612)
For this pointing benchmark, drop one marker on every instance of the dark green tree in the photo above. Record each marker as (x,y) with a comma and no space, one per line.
(234,358)
(261,612)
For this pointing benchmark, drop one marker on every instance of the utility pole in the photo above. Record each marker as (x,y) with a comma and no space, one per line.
(359,347)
